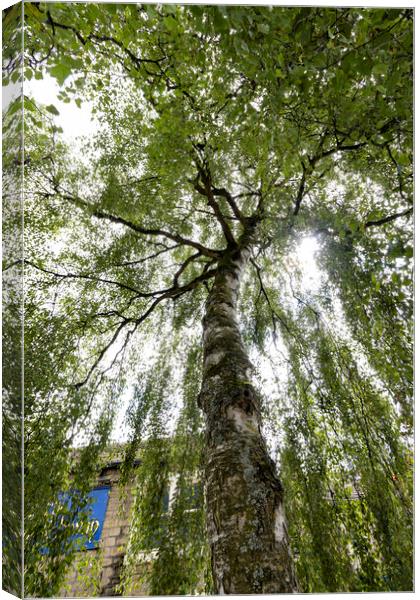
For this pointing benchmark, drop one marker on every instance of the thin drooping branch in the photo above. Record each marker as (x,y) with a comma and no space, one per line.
(113,312)
(377,223)
(138,294)
(274,314)
(172,293)
(183,267)
(398,168)
(102,353)
(90,278)
(139,261)
(313,161)
(263,291)
(301,192)
(340,146)
(93,37)
(302,302)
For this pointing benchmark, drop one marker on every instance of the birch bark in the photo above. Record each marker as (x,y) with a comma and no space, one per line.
(245,514)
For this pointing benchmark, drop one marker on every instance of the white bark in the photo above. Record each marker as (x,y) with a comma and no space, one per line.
(246,521)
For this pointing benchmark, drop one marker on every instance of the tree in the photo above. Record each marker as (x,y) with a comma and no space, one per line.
(228,134)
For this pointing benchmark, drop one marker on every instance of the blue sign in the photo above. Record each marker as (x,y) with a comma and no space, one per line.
(97,515)
(90,528)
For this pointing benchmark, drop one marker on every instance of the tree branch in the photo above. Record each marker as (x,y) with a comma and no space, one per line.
(172,293)
(207,191)
(264,292)
(223,192)
(378,223)
(100,214)
(301,192)
(93,37)
(183,267)
(139,261)
(90,278)
(340,147)
(121,326)
(388,219)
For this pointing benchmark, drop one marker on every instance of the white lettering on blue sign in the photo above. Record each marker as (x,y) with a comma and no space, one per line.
(86,532)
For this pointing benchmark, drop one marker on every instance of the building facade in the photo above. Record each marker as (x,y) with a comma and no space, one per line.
(97,568)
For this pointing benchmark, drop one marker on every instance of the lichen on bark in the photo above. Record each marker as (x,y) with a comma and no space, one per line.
(246,523)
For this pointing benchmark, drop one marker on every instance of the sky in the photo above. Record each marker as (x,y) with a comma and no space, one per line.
(75,121)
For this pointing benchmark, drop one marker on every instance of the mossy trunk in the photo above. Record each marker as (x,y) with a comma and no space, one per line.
(246,523)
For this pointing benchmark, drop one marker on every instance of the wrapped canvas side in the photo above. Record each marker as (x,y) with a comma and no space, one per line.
(13,158)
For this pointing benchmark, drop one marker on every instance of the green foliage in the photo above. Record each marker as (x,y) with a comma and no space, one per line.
(167,552)
(12,297)
(376,291)
(89,567)
(348,469)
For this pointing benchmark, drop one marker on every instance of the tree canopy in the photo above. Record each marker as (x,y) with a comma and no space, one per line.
(220,128)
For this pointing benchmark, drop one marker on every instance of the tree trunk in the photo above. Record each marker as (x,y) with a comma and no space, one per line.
(245,515)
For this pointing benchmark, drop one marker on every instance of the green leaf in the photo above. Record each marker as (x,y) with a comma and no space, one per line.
(263,28)
(170,23)
(52,109)
(15,107)
(60,72)
(379,69)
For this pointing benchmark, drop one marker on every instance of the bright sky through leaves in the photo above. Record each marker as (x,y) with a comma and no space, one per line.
(75,121)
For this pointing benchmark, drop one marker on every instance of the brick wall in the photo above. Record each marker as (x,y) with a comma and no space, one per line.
(97,572)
